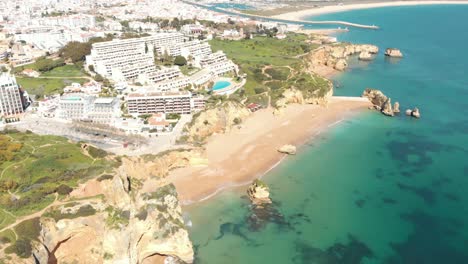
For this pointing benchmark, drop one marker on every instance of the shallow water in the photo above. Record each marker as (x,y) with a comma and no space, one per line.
(372,189)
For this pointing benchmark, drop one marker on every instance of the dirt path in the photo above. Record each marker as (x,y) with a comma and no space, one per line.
(56,202)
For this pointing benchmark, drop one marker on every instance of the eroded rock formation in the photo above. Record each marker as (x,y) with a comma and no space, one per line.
(393,52)
(128,227)
(380,101)
(216,120)
(414,113)
(259,192)
(335,56)
(288,149)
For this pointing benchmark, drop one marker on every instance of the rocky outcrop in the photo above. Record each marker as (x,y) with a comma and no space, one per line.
(288,149)
(396,107)
(380,102)
(414,113)
(295,96)
(128,228)
(341,64)
(365,56)
(216,120)
(335,56)
(392,52)
(259,192)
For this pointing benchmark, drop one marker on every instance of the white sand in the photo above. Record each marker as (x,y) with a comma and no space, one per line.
(299,15)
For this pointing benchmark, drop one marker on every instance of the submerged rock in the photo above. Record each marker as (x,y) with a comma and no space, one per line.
(393,52)
(288,149)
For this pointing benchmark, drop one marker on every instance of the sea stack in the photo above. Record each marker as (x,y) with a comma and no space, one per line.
(414,113)
(288,149)
(392,52)
(259,192)
(380,101)
(396,107)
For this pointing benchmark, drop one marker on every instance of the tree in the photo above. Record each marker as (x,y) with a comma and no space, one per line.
(91,68)
(75,51)
(98,78)
(180,61)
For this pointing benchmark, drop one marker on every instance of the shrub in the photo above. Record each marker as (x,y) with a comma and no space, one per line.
(64,189)
(96,152)
(180,61)
(22,248)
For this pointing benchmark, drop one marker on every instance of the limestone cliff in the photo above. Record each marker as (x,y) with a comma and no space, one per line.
(146,224)
(216,120)
(127,224)
(336,55)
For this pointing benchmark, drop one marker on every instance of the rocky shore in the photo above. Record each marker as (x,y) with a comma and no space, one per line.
(336,55)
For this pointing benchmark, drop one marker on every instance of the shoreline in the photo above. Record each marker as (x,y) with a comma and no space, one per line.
(231,154)
(303,14)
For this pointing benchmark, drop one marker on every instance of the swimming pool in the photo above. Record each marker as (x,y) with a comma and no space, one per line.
(219,85)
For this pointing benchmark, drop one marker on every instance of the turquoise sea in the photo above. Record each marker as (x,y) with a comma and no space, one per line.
(372,189)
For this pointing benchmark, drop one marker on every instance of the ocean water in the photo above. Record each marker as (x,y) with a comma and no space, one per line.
(372,189)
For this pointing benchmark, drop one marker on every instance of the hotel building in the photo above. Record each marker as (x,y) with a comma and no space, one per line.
(155,102)
(11,102)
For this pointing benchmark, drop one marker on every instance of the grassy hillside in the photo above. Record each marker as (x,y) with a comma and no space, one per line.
(273,65)
(35,169)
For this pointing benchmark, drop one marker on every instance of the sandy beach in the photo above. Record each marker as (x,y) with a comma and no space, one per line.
(300,15)
(249,151)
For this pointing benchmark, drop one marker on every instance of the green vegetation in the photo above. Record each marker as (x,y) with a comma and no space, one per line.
(96,152)
(272,66)
(83,211)
(180,61)
(161,192)
(117,217)
(64,71)
(35,168)
(254,54)
(46,86)
(26,231)
(280,73)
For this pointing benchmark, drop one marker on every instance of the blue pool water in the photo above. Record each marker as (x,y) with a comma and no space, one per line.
(373,189)
(220,85)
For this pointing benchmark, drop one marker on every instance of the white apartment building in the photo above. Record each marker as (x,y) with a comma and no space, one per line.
(164,74)
(85,107)
(194,48)
(105,111)
(218,63)
(74,106)
(173,85)
(192,29)
(155,102)
(10,96)
(125,59)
